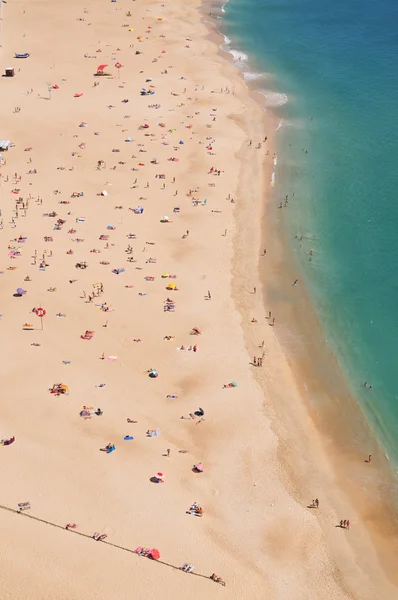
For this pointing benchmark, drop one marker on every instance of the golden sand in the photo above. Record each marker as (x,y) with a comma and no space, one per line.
(256,532)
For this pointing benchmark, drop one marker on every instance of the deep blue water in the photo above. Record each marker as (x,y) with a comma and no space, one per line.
(337,62)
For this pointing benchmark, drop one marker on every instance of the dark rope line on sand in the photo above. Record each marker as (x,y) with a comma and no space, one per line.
(90,537)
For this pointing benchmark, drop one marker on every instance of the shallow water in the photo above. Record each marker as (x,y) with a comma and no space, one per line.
(328,71)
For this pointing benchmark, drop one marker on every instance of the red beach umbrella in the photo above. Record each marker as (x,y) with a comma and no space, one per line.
(101,67)
(155,554)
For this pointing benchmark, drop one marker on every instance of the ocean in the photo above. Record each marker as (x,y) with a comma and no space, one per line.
(328,71)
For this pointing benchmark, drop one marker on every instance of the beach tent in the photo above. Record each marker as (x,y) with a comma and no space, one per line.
(100,69)
(154,553)
(5,144)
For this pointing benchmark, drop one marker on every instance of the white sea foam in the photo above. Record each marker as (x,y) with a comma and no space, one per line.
(280,125)
(274,99)
(250,76)
(238,56)
(224,5)
(273,178)
(227,40)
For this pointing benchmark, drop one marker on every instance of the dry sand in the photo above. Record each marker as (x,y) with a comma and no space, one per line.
(256,532)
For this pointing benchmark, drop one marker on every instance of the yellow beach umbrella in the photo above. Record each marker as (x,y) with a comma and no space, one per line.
(170,286)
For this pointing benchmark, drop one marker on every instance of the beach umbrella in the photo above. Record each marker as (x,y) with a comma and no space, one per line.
(20,291)
(101,67)
(155,554)
(159,476)
(199,467)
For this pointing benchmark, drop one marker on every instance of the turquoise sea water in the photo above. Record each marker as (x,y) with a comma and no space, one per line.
(329,71)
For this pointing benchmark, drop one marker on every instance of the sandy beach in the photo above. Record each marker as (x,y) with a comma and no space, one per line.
(133,199)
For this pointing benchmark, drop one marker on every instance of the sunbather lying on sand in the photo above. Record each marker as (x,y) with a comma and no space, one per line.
(217,579)
(187,567)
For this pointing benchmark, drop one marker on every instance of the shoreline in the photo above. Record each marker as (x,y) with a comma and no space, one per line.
(309,358)
(256,532)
